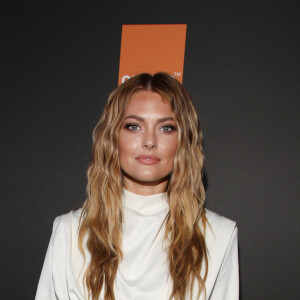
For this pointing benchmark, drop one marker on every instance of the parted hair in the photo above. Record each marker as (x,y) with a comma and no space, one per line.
(100,230)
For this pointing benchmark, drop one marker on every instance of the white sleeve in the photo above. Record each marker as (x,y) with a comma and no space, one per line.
(47,288)
(227,284)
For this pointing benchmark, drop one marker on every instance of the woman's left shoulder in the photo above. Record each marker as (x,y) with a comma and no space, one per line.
(222,249)
(218,221)
(219,230)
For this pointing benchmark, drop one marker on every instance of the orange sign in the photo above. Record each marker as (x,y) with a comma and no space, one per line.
(151,49)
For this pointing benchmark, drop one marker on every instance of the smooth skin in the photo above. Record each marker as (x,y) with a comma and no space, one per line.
(147,143)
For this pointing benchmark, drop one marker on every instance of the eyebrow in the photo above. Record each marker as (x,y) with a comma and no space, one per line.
(142,119)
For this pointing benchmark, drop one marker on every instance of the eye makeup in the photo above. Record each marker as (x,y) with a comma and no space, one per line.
(169,128)
(131,126)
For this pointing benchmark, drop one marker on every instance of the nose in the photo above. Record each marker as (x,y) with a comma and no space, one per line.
(149,141)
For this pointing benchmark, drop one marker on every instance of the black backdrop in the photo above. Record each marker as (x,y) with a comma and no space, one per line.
(59,62)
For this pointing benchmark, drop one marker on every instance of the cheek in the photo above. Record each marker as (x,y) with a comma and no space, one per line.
(127,146)
(123,148)
(173,154)
(170,148)
(174,149)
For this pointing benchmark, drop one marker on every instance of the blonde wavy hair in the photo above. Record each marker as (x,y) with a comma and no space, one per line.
(102,213)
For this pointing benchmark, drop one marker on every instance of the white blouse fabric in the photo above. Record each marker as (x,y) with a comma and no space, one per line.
(143,272)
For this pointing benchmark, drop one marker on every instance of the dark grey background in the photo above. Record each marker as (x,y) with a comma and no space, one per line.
(59,62)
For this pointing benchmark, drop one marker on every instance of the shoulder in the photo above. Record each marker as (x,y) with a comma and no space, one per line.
(222,249)
(68,218)
(220,232)
(219,224)
(63,260)
(66,224)
(64,237)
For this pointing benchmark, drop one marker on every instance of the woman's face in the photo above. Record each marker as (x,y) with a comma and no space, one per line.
(147,143)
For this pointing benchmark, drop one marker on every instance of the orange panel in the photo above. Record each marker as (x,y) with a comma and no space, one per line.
(152,48)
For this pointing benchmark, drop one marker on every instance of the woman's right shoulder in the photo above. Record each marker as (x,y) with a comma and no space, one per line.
(63,259)
(68,221)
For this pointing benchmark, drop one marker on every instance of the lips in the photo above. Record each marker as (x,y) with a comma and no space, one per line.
(148,159)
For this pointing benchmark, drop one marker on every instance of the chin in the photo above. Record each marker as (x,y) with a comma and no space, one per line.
(147,179)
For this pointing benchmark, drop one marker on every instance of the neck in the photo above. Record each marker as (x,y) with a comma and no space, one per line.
(145,188)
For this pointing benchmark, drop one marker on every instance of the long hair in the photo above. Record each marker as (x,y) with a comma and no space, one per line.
(102,213)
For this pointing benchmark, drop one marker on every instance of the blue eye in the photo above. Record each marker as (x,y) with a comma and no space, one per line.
(132,127)
(168,128)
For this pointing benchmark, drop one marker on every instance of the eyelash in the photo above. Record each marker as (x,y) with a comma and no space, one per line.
(130,125)
(172,128)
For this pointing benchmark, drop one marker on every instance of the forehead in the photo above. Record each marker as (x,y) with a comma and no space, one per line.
(148,103)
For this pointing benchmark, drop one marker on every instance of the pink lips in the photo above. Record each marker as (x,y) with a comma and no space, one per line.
(148,159)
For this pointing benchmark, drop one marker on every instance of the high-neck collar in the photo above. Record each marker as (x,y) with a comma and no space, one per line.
(145,205)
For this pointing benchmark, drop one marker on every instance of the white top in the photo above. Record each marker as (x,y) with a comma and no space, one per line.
(143,272)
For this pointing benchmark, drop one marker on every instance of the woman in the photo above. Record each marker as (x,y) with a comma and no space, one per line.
(143,231)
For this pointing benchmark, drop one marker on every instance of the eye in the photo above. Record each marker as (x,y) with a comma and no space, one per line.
(168,128)
(131,126)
